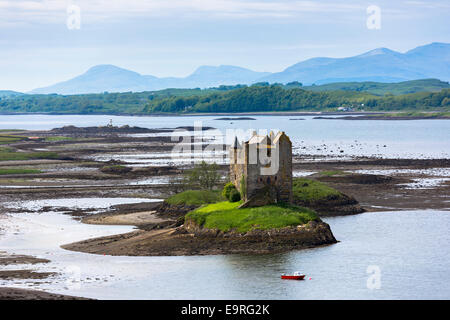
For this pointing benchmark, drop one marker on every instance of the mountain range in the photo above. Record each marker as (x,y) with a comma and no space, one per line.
(382,65)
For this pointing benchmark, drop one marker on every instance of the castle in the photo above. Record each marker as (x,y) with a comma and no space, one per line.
(263,164)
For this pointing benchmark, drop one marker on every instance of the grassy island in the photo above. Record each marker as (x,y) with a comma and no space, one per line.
(226,216)
(5,139)
(210,209)
(213,212)
(7,154)
(18,171)
(325,200)
(308,190)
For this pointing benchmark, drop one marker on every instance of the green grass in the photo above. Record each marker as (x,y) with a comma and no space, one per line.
(331,173)
(195,197)
(18,171)
(307,190)
(10,155)
(57,138)
(225,216)
(414,114)
(5,139)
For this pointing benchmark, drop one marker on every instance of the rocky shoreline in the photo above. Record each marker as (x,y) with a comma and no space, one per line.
(159,233)
(334,206)
(192,240)
(7,293)
(384,117)
(12,259)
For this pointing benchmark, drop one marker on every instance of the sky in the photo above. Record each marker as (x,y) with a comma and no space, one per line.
(47,41)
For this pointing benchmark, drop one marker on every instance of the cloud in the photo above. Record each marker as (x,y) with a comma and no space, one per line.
(52,11)
(430,4)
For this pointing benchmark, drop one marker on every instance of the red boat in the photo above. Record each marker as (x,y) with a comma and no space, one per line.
(295,276)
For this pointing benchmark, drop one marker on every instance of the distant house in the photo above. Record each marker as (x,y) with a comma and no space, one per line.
(345,109)
(35,138)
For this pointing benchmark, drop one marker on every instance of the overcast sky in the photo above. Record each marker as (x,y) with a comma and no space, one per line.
(174,37)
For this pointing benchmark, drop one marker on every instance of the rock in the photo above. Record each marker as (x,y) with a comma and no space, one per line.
(261,197)
(333,205)
(166,209)
(313,233)
(115,169)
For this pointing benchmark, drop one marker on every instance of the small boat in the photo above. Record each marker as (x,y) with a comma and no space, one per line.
(296,276)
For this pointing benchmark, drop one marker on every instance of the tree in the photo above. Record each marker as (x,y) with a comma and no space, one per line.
(203,176)
(294,84)
(235,196)
(227,190)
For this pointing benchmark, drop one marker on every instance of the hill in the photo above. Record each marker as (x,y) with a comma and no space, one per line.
(382,65)
(109,78)
(379,65)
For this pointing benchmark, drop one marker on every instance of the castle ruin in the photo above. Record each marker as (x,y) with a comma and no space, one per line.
(263,166)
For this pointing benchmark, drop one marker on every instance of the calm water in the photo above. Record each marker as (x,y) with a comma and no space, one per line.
(404,139)
(411,249)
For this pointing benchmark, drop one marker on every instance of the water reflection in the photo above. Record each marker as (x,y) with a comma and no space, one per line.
(411,248)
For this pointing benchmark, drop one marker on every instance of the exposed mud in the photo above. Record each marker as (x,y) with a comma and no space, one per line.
(179,241)
(159,224)
(235,119)
(383,117)
(9,259)
(109,130)
(12,259)
(377,192)
(334,206)
(82,176)
(24,274)
(26,294)
(174,211)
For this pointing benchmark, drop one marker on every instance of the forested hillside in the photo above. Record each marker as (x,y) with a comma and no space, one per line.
(256,98)
(382,88)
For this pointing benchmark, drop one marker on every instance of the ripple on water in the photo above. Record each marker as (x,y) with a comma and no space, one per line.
(410,248)
(75,203)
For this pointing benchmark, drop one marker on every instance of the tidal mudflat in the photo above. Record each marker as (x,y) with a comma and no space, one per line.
(42,210)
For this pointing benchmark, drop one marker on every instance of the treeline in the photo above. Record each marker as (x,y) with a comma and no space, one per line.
(276,98)
(256,98)
(382,88)
(99,103)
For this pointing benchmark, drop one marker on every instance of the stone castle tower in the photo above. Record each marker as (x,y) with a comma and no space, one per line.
(263,163)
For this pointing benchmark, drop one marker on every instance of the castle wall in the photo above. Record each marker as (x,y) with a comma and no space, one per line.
(280,181)
(284,175)
(237,166)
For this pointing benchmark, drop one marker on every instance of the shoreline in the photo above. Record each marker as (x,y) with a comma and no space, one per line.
(181,242)
(376,184)
(376,117)
(8,293)
(317,115)
(262,113)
